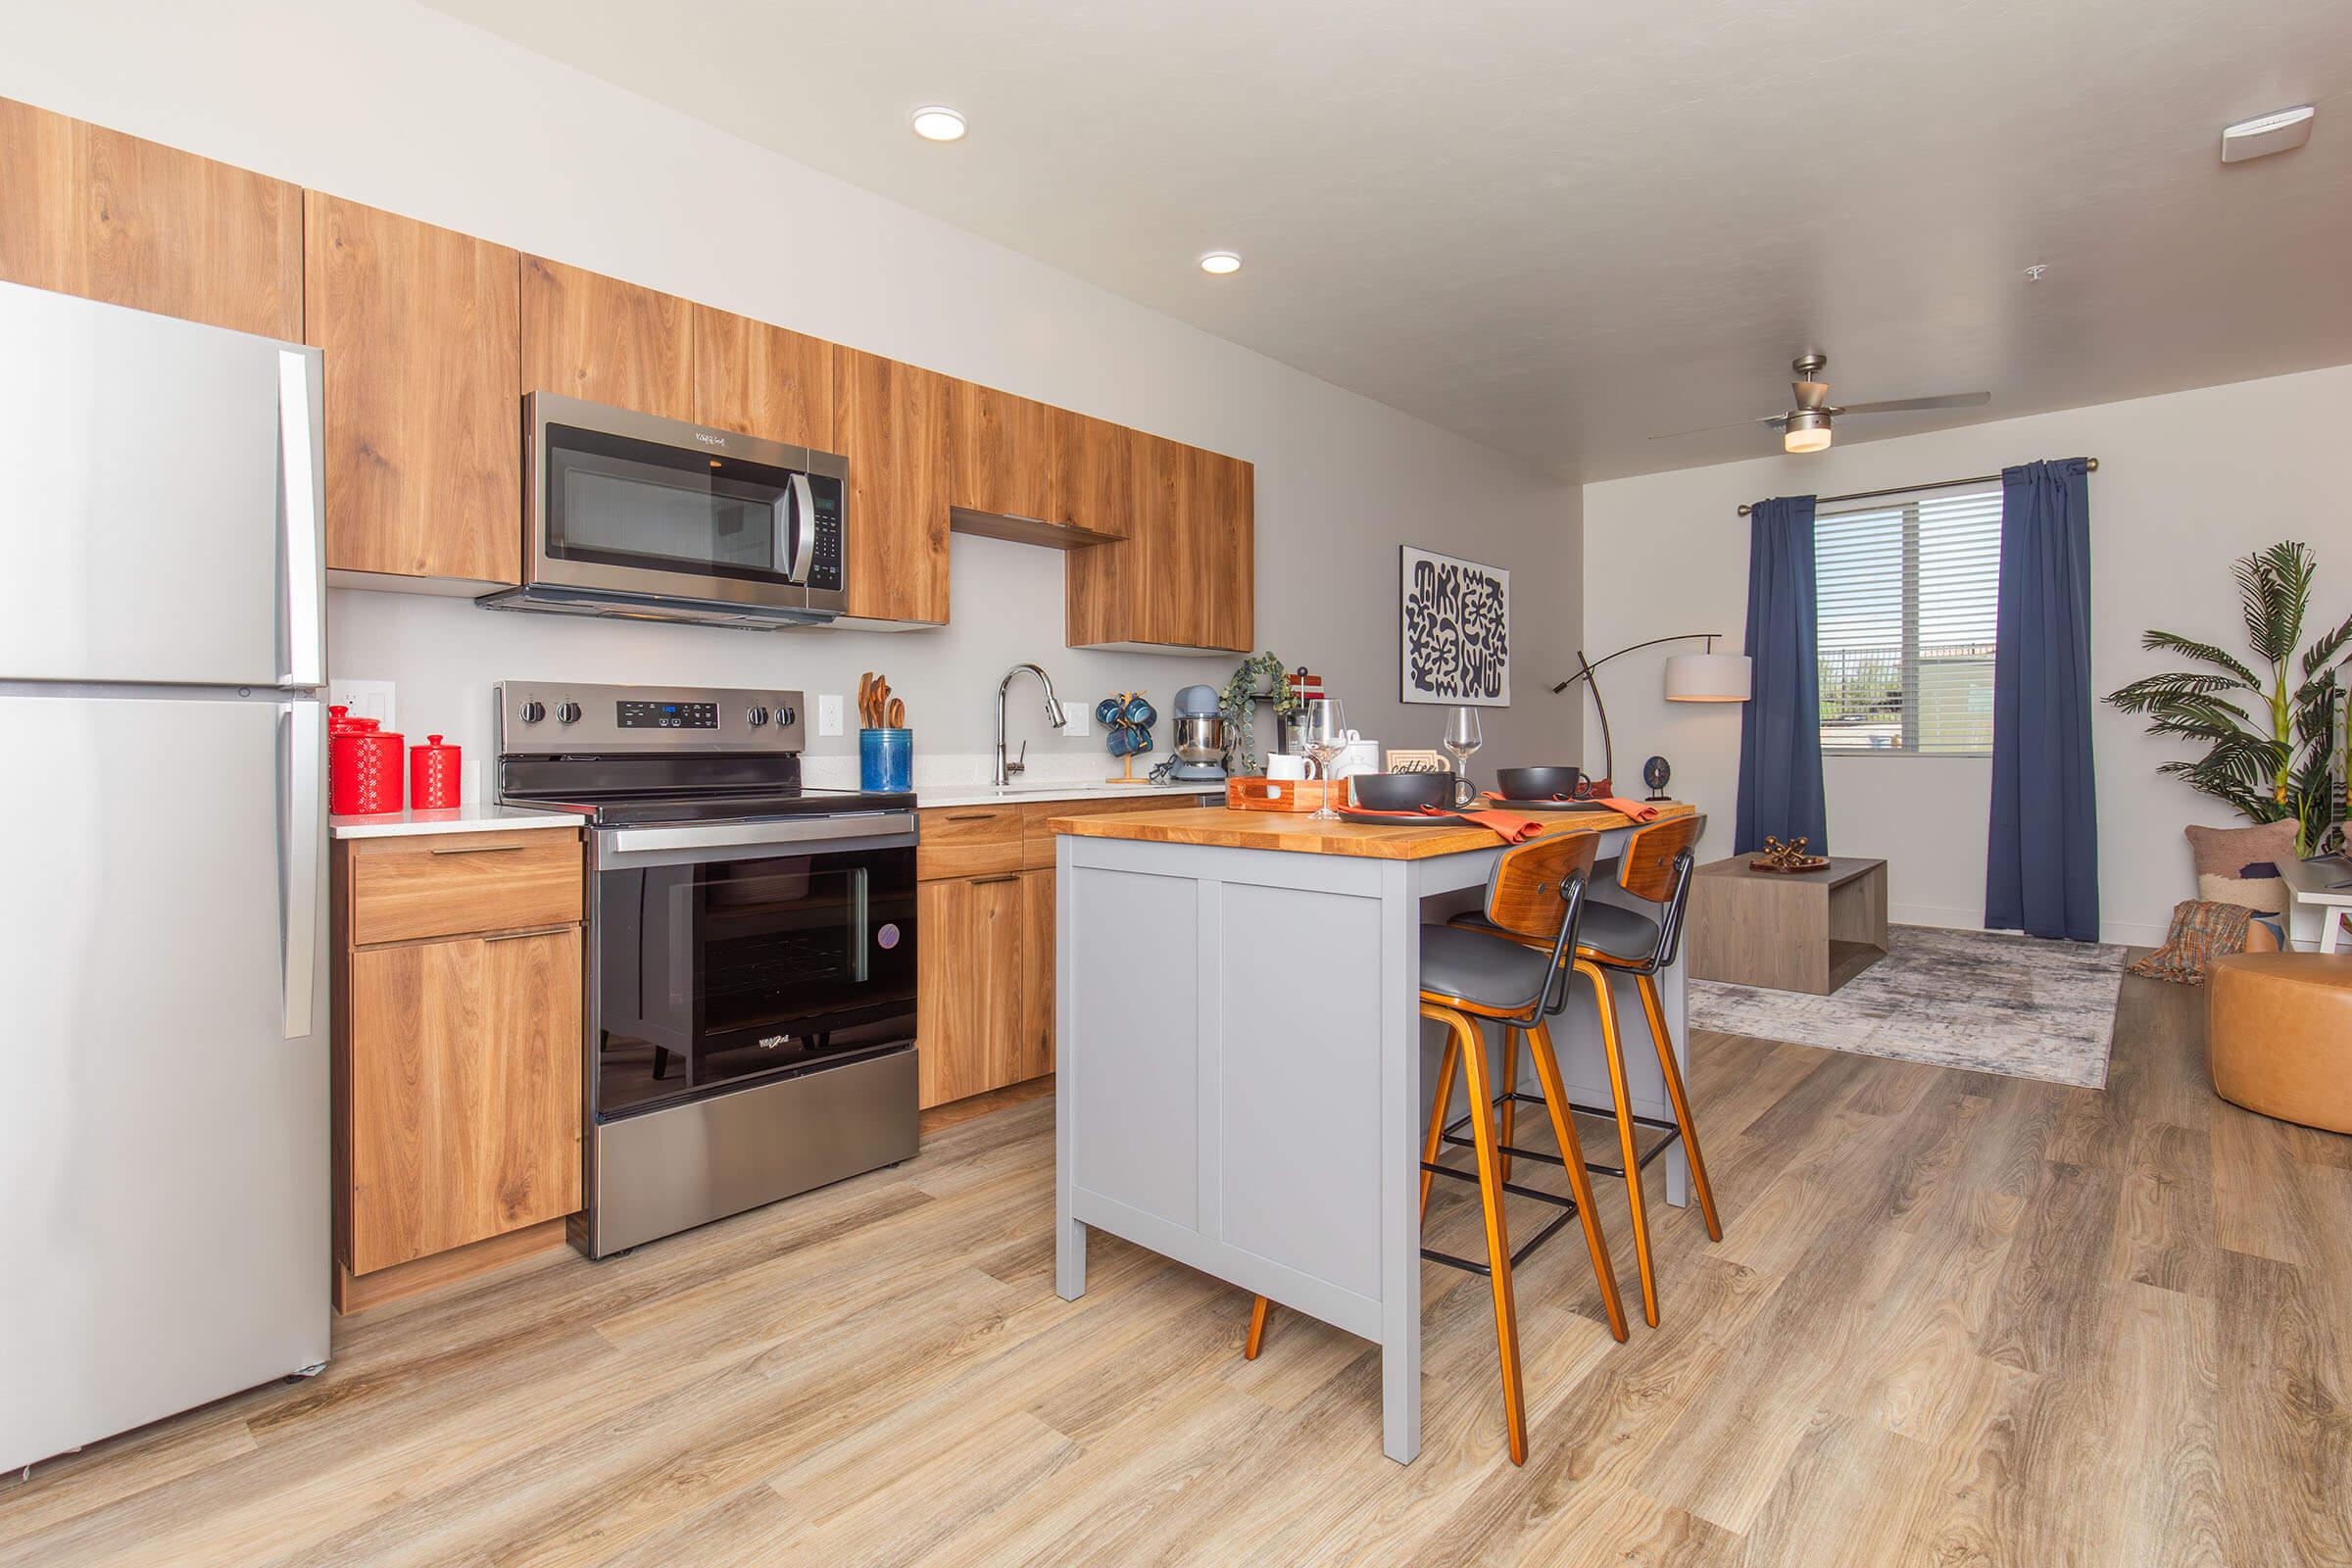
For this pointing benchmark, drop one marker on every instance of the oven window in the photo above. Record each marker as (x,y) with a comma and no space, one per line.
(628,503)
(710,974)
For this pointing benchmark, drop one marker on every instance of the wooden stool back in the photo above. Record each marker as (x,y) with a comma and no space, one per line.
(1647,868)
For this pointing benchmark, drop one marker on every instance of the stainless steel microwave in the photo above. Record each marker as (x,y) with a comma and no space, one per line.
(636,516)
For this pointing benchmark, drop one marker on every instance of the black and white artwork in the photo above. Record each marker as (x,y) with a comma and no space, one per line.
(1455,629)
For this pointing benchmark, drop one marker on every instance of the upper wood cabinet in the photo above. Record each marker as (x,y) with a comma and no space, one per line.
(762,381)
(421,330)
(1224,498)
(91,212)
(1182,577)
(1001,454)
(585,335)
(891,421)
(1094,479)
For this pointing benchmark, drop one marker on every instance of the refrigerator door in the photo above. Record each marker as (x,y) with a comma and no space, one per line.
(160,499)
(163,1129)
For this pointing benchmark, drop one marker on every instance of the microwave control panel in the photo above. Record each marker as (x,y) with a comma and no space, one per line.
(824,563)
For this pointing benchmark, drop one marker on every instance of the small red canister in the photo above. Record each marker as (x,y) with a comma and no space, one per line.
(362,766)
(433,776)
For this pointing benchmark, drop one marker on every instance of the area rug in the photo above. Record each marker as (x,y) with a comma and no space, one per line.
(1987,1001)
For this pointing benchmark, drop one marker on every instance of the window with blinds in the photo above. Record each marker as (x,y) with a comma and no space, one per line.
(1906,597)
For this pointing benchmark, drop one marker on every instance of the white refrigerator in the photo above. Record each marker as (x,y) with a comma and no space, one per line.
(163,1110)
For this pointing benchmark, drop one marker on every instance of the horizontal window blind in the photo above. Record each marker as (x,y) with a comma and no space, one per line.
(1906,596)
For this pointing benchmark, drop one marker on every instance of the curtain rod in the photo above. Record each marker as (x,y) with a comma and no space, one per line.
(2091,464)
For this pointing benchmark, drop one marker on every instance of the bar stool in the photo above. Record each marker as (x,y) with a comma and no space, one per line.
(1656,867)
(1516,976)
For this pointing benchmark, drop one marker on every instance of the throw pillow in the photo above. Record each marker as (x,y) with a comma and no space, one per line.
(2201,932)
(2240,865)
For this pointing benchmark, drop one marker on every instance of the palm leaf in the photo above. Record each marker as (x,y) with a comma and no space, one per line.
(2273,587)
(2157,691)
(2174,643)
(2323,652)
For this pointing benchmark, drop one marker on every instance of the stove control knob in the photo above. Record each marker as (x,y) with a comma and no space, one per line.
(568,712)
(533,712)
(756,715)
(786,716)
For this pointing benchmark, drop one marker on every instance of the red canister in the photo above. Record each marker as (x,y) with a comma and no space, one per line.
(433,776)
(362,766)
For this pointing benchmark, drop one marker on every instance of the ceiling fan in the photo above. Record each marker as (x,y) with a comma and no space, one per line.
(1806,427)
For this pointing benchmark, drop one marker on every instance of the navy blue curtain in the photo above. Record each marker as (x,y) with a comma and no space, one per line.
(2041,873)
(1780,728)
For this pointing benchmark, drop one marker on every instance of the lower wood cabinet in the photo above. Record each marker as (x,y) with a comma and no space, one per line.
(457,1064)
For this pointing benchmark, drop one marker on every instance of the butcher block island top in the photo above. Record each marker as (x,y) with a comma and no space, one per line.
(1302,834)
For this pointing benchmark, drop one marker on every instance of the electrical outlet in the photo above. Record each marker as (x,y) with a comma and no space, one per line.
(366,699)
(1081,719)
(828,715)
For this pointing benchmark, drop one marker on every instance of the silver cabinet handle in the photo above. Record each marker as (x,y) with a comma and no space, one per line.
(477,848)
(899,825)
(298,507)
(535,931)
(302,827)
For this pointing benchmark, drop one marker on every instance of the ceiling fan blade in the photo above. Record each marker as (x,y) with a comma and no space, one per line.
(1950,400)
(1769,418)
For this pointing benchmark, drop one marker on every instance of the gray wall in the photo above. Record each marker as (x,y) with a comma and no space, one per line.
(401,107)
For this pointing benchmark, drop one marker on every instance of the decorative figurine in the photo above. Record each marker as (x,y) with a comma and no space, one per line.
(1126,721)
(1655,773)
(1788,857)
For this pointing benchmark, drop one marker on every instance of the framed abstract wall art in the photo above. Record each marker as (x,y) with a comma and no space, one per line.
(1453,631)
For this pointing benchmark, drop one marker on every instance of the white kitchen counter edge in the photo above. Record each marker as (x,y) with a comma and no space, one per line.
(464,820)
(928,797)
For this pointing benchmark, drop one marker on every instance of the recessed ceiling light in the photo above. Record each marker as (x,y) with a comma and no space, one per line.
(935,123)
(1219,263)
(2265,134)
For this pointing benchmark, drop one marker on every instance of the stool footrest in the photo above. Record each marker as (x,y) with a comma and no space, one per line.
(1454,1135)
(1519,1254)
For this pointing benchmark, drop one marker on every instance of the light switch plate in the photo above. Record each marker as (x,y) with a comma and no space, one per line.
(828,715)
(1081,720)
(366,699)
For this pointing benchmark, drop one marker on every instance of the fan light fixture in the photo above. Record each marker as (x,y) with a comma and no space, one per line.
(937,122)
(2266,134)
(1808,431)
(1218,264)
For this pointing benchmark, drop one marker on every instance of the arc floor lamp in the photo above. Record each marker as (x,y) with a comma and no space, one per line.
(1708,677)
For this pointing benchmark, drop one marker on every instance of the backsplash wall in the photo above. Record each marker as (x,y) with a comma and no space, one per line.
(398,106)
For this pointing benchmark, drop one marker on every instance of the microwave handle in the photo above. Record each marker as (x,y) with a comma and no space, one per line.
(803,528)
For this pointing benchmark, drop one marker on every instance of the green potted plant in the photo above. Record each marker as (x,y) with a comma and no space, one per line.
(2266,735)
(1261,675)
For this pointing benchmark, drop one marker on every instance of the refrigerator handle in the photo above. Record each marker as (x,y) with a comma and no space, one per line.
(301,831)
(300,501)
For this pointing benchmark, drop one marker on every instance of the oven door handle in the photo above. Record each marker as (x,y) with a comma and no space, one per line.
(897,825)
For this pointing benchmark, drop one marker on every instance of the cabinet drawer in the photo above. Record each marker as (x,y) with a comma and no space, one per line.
(967,841)
(455,884)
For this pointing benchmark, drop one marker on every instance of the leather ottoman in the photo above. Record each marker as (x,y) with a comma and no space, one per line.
(2279,1035)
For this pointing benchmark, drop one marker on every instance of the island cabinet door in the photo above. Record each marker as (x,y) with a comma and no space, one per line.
(968,1016)
(464,1092)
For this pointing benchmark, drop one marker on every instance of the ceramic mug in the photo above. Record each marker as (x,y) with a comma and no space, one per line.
(1281,764)
(1360,757)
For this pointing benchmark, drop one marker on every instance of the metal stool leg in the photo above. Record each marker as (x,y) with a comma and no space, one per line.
(1510,1086)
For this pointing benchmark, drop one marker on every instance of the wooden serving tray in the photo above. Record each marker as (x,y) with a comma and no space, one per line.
(1252,794)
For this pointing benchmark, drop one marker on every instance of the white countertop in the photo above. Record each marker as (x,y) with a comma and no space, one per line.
(464,820)
(931,795)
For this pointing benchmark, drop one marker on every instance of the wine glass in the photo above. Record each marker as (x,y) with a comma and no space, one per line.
(1324,736)
(1461,742)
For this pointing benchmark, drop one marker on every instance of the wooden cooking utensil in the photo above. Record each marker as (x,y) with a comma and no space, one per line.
(865,695)
(898,713)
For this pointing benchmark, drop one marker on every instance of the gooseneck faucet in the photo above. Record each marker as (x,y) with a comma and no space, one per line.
(1054,716)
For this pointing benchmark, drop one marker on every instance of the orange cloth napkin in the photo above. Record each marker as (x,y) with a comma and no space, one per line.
(1638,810)
(1509,826)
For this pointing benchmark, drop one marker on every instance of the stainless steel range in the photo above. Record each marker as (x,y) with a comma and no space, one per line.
(751,985)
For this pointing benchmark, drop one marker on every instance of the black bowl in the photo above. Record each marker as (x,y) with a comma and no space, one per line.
(1403,792)
(1537,783)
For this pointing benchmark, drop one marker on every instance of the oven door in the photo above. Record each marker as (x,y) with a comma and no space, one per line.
(630,504)
(723,965)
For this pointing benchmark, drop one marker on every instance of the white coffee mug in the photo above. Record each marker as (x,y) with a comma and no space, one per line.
(1281,764)
(1360,757)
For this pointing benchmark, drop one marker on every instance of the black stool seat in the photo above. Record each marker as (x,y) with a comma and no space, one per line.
(1605,928)
(1481,967)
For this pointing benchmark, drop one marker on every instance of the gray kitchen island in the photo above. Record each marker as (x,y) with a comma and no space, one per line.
(1243,1072)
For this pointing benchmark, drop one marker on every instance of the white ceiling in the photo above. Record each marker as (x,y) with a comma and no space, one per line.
(1559,227)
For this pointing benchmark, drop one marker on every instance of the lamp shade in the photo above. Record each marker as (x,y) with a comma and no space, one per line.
(1709,679)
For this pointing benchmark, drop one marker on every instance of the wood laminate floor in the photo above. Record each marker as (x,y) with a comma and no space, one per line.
(1954,1319)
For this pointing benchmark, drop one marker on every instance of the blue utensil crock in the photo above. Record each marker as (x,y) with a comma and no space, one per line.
(886,760)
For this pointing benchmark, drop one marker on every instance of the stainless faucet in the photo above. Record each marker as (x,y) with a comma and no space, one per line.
(1054,716)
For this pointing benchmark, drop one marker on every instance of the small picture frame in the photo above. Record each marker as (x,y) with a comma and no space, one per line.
(1404,761)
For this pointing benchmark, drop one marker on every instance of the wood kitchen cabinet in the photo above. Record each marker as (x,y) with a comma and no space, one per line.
(457,1059)
(969,973)
(1001,454)
(891,421)
(421,338)
(585,335)
(1094,479)
(1033,1045)
(88,211)
(1183,576)
(762,381)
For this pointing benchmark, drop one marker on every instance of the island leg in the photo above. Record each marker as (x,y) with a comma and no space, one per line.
(1400,1170)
